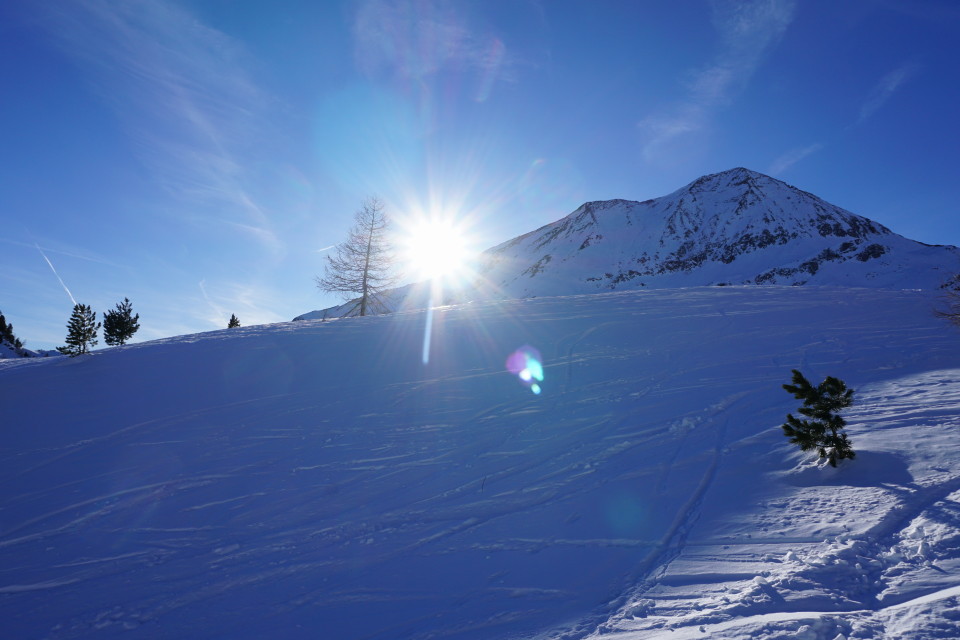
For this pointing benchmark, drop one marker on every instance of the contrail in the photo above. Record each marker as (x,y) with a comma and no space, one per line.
(72,299)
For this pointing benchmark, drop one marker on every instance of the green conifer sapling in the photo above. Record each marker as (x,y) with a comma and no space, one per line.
(81,331)
(824,430)
(119,324)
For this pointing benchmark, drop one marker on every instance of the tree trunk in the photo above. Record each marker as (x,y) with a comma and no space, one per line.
(366,271)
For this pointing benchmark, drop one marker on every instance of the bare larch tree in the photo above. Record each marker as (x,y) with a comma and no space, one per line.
(363,264)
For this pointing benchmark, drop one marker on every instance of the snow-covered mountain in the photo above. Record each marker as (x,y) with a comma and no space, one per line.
(318,480)
(729,228)
(734,227)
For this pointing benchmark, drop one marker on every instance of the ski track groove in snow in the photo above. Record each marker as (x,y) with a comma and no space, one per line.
(862,611)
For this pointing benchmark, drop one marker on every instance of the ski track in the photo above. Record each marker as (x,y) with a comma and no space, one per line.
(870,597)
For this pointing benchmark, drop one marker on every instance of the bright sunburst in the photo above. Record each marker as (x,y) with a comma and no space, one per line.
(436,249)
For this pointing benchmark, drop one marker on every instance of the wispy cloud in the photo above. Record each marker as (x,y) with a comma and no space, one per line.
(251,303)
(879,95)
(180,90)
(415,39)
(792,157)
(884,89)
(219,317)
(71,252)
(748,30)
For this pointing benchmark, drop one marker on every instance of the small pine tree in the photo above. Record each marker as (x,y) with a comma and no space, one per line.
(81,331)
(119,325)
(233,322)
(824,432)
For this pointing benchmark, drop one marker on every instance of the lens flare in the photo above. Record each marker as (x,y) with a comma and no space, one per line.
(526,364)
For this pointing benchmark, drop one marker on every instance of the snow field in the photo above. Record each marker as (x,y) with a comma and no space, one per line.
(315,479)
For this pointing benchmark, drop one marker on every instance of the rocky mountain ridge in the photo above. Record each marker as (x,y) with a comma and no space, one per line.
(734,227)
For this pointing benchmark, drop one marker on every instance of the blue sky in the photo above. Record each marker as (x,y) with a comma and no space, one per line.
(201,157)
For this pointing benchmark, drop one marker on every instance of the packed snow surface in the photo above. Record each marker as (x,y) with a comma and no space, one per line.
(318,480)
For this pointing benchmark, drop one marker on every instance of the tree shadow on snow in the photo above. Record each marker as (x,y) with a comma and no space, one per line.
(868,469)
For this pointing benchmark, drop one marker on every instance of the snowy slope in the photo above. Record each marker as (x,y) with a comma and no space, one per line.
(7,350)
(317,480)
(410,297)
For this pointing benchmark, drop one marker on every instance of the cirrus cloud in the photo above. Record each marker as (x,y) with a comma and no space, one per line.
(180,90)
(885,88)
(747,30)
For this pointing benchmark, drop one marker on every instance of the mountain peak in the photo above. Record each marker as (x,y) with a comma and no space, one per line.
(733,227)
(741,172)
(737,177)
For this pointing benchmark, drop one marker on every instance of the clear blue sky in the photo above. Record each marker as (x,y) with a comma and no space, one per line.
(200,157)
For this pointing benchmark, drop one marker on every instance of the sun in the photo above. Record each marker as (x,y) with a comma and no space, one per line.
(436,249)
